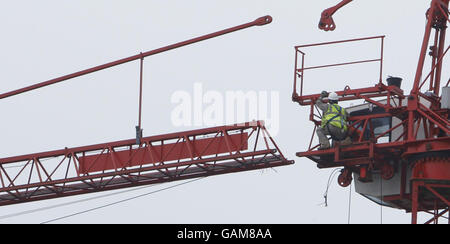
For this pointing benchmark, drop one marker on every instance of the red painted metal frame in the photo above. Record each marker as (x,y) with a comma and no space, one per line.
(59,173)
(144,161)
(431,188)
(179,150)
(438,202)
(326,20)
(258,22)
(300,68)
(410,110)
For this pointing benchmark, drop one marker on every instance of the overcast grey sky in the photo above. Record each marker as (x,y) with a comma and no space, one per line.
(48,38)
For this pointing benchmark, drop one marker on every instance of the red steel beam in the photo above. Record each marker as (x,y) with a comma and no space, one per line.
(95,186)
(340,64)
(442,198)
(434,18)
(161,153)
(130,142)
(115,165)
(342,41)
(400,149)
(258,22)
(436,216)
(378,90)
(326,22)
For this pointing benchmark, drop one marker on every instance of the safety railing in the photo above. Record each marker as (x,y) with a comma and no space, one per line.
(300,62)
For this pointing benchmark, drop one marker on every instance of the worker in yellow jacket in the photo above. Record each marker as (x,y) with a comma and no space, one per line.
(334,120)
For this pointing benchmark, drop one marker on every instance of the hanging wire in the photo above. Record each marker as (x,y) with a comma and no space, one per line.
(349,205)
(381,203)
(22,165)
(71,203)
(330,178)
(121,201)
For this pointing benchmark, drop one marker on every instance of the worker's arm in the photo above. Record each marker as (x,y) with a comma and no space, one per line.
(320,103)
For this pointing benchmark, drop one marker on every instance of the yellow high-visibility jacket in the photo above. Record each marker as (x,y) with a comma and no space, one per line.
(335,115)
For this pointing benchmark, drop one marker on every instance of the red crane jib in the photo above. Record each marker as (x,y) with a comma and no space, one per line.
(141,161)
(161,153)
(121,164)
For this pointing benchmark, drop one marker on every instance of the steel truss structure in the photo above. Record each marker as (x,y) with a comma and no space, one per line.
(416,113)
(139,161)
(163,158)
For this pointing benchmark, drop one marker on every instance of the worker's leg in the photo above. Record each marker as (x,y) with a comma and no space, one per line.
(339,134)
(346,141)
(323,139)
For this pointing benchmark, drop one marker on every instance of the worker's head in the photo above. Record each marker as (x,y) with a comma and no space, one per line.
(333,97)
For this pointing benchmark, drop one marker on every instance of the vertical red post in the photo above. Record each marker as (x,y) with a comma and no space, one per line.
(295,72)
(423,50)
(303,71)
(140,91)
(437,82)
(381,60)
(139,126)
(433,61)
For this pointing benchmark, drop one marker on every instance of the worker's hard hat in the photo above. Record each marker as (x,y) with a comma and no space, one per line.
(333,96)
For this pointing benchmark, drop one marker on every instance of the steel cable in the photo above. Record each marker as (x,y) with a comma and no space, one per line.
(121,201)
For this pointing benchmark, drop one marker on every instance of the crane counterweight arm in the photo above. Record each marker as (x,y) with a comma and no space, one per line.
(258,22)
(326,20)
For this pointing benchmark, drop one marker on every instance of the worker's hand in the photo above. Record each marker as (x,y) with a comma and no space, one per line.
(324,94)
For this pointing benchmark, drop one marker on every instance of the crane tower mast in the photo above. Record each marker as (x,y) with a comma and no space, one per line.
(400,141)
